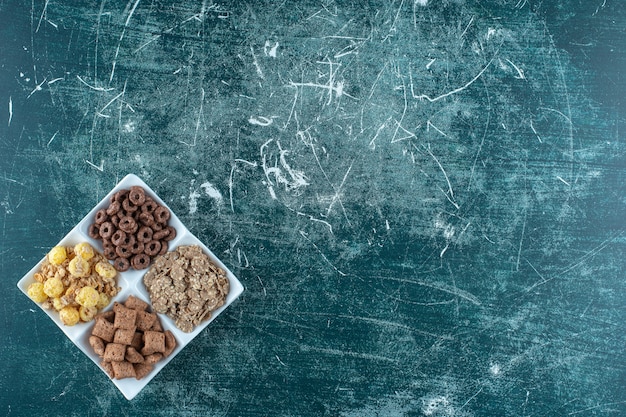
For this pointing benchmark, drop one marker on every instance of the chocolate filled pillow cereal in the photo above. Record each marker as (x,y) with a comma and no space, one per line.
(133,228)
(130,340)
(186,286)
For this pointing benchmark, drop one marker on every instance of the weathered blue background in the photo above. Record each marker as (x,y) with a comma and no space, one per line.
(425,200)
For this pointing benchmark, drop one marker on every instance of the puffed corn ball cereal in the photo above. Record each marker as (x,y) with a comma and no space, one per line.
(106,270)
(79,267)
(69,315)
(57,255)
(35,291)
(84,250)
(87,297)
(58,303)
(87,313)
(103,301)
(53,287)
(77,281)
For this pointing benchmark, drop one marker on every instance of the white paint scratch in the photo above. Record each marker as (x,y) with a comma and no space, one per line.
(43,13)
(37,88)
(467,27)
(193,201)
(304,235)
(269,49)
(563,181)
(372,143)
(520,73)
(10,110)
(450,193)
(93,87)
(313,219)
(212,192)
(261,120)
(259,71)
(52,138)
(209,189)
(119,43)
(535,131)
(292,180)
(449,93)
(98,167)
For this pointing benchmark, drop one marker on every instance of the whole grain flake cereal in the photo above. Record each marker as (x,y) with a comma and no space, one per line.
(77,281)
(186,286)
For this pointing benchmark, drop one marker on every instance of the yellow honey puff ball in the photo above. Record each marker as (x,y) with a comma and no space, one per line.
(87,313)
(87,297)
(53,287)
(36,292)
(103,301)
(58,303)
(84,250)
(69,315)
(57,255)
(105,270)
(79,267)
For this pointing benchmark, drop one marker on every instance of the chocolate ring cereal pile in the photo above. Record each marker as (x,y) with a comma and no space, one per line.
(130,340)
(133,229)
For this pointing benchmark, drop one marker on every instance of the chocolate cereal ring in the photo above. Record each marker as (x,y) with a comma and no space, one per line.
(164,247)
(106,243)
(113,208)
(108,250)
(118,196)
(137,248)
(129,206)
(128,224)
(94,231)
(115,220)
(172,233)
(161,234)
(149,206)
(130,240)
(152,248)
(121,264)
(146,218)
(140,261)
(123,251)
(137,195)
(109,253)
(101,216)
(161,214)
(118,237)
(144,234)
(106,230)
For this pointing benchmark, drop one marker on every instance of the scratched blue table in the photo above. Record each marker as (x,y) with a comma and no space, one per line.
(424,200)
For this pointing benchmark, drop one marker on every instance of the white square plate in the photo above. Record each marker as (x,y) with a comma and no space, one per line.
(131,283)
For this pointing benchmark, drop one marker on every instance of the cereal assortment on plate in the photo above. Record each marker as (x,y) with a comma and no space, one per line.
(103,260)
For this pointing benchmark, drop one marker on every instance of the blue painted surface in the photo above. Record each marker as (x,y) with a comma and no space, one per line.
(424,200)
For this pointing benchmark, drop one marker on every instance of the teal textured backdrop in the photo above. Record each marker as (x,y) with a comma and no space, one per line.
(425,200)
